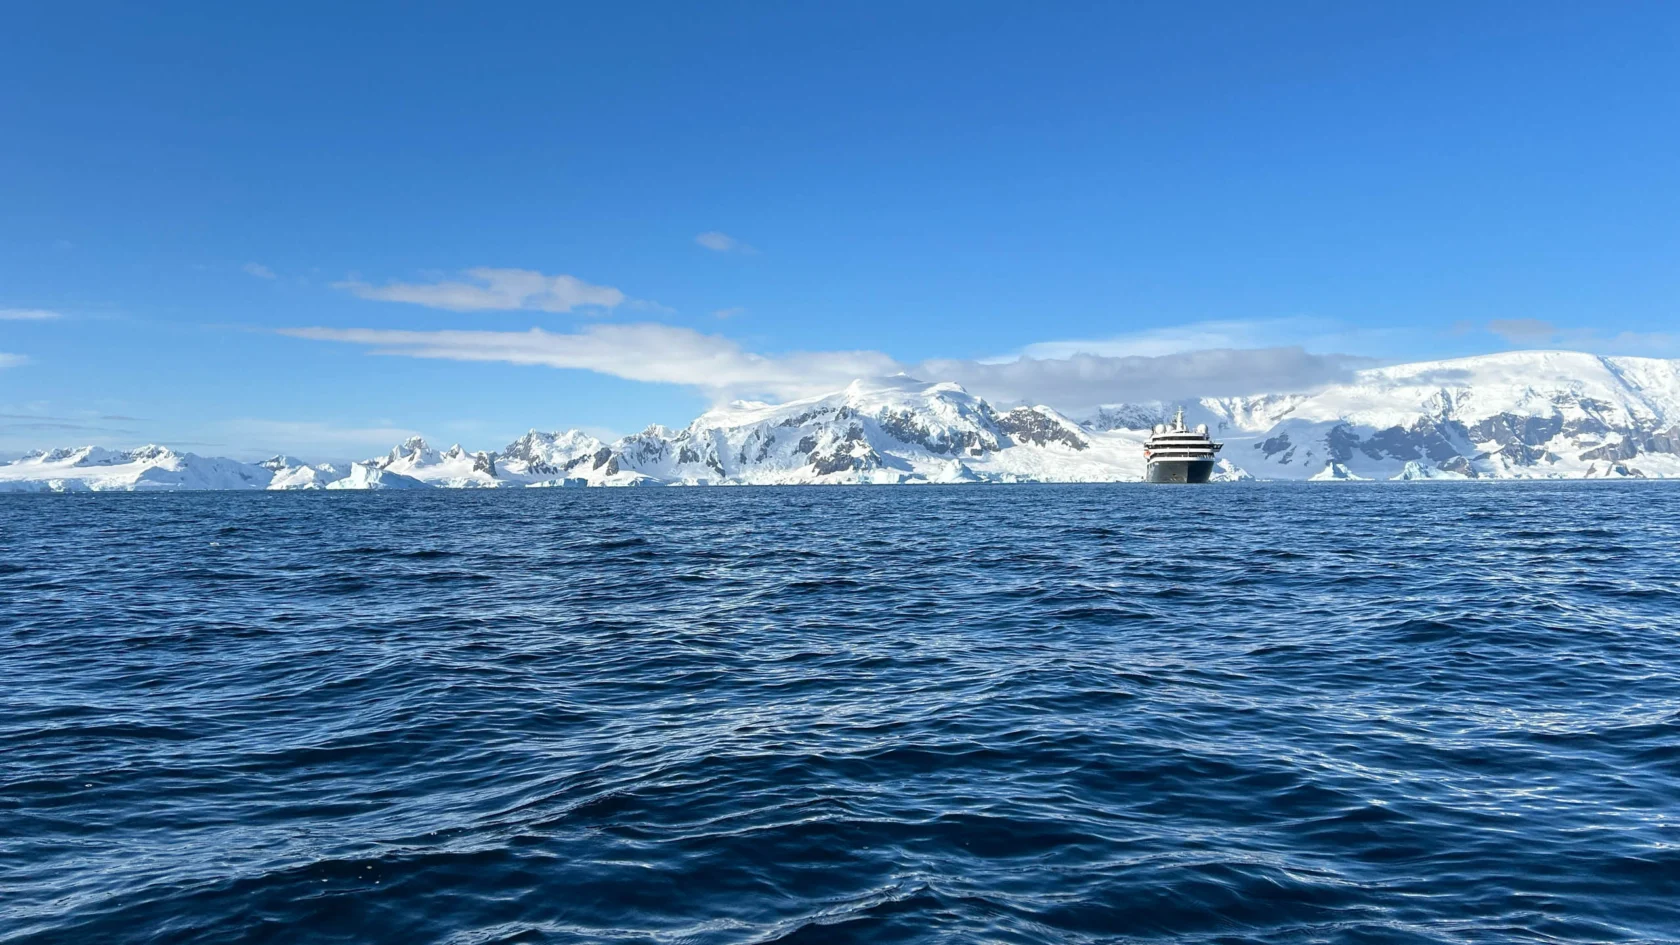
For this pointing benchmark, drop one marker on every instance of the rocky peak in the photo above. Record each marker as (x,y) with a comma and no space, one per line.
(150,453)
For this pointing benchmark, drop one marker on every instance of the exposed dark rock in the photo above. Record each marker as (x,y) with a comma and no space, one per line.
(1341,440)
(1584,426)
(1436,440)
(1276,444)
(842,461)
(1518,440)
(1522,454)
(806,417)
(1662,441)
(688,454)
(1025,424)
(1394,442)
(902,426)
(1460,465)
(1425,440)
(1624,448)
(644,449)
(528,450)
(846,455)
(1509,429)
(756,448)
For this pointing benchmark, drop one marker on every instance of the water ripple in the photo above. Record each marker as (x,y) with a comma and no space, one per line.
(1257,713)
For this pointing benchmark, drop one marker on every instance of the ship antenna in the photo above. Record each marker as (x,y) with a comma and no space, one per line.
(1178,419)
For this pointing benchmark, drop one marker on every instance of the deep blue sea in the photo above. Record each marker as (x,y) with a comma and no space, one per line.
(1245,713)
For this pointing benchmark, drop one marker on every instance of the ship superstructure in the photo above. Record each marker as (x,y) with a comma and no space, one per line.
(1175,453)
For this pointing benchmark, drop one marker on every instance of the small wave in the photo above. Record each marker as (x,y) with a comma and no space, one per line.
(853,715)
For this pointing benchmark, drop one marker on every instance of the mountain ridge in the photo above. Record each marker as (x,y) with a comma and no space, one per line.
(1532,414)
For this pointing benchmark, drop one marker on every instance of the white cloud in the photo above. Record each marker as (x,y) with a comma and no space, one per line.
(26,314)
(723,243)
(257,269)
(662,354)
(720,368)
(12,360)
(1523,331)
(1311,333)
(1079,383)
(734,311)
(495,290)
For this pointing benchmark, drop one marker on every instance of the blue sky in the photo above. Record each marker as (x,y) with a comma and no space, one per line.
(317,228)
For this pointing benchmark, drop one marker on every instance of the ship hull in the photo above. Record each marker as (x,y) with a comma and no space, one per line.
(1179,470)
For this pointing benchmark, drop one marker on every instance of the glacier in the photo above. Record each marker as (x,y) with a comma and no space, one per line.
(1516,415)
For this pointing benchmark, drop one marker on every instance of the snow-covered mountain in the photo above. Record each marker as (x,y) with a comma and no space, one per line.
(1533,414)
(147,468)
(1517,415)
(886,431)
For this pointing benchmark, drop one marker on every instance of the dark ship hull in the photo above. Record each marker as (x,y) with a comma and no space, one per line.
(1179,470)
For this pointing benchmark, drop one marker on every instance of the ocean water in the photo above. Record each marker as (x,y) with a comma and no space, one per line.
(1248,713)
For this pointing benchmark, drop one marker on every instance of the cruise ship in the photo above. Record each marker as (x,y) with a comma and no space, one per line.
(1176,454)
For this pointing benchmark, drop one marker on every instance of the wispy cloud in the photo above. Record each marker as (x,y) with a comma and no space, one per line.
(257,269)
(78,420)
(20,422)
(1648,343)
(1083,381)
(1314,334)
(1533,332)
(1523,331)
(494,290)
(734,311)
(664,354)
(720,368)
(723,243)
(27,314)
(12,360)
(38,424)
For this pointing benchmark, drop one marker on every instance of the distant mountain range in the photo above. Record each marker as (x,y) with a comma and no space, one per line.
(1521,415)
